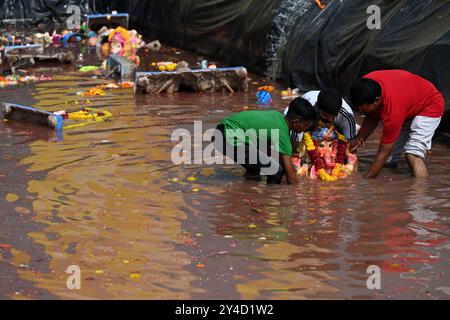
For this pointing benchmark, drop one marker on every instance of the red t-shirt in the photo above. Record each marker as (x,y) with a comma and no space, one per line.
(405,96)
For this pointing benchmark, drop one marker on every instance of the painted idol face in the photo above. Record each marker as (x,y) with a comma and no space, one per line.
(328,150)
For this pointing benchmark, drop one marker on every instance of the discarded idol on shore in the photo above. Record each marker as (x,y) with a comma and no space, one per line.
(119,48)
(323,154)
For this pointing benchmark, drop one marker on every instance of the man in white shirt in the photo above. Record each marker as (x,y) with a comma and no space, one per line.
(332,108)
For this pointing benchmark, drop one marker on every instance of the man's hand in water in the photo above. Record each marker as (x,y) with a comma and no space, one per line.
(291,175)
(368,127)
(355,144)
(383,154)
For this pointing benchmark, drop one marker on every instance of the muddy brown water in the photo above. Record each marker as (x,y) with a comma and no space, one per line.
(108,198)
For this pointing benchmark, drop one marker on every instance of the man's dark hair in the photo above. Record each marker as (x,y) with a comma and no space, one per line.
(302,109)
(330,101)
(364,91)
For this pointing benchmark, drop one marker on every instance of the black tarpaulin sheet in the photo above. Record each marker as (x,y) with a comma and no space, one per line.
(335,47)
(33,12)
(305,46)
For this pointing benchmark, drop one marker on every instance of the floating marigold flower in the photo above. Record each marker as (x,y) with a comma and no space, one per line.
(266,88)
(95,92)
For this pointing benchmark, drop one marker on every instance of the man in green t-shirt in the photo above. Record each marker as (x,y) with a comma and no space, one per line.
(260,140)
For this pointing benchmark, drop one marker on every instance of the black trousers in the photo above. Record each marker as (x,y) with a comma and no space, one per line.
(245,160)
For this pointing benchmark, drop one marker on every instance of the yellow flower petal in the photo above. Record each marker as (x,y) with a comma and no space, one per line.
(11,197)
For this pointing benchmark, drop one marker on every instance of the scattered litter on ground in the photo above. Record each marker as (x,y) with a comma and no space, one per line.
(120,85)
(154,46)
(18,80)
(290,94)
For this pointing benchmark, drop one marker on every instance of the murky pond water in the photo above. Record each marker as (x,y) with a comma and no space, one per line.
(108,199)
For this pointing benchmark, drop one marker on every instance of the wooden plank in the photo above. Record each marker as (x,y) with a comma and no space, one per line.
(28,55)
(26,51)
(32,115)
(202,80)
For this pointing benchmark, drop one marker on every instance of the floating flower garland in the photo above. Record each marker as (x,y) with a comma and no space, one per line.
(320,164)
(85,114)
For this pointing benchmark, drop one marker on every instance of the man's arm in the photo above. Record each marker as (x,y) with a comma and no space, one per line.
(368,127)
(347,123)
(383,154)
(291,175)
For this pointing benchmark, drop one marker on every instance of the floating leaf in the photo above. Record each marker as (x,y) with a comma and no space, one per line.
(89,68)
(256,210)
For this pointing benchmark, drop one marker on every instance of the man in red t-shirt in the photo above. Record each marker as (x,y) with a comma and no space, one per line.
(408,106)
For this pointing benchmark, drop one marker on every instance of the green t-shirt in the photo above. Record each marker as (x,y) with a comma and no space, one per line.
(249,126)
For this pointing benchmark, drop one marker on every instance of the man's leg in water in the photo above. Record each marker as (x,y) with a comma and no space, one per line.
(253,160)
(276,178)
(422,132)
(266,164)
(253,168)
(417,166)
(272,167)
